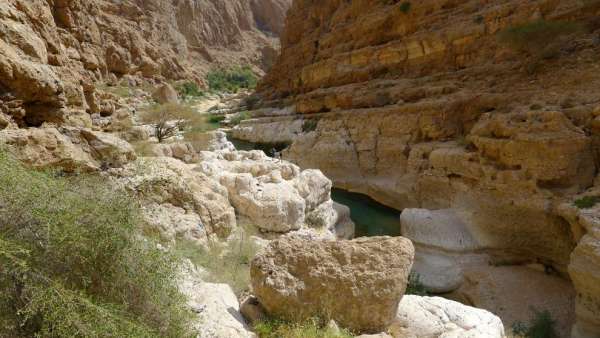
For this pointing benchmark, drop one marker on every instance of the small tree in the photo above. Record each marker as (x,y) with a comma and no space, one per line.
(168,119)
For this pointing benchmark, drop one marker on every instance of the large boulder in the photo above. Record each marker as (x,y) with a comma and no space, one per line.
(165,94)
(357,283)
(433,317)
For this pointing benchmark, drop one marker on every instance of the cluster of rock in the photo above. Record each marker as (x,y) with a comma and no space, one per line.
(276,195)
(414,115)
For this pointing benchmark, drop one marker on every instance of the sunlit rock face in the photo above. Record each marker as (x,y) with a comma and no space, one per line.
(427,107)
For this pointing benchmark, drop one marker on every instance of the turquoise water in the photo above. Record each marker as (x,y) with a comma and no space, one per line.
(268,148)
(371,218)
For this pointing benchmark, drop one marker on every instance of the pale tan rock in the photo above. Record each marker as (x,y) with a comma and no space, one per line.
(165,94)
(215,307)
(430,317)
(47,148)
(179,150)
(357,283)
(274,195)
(164,180)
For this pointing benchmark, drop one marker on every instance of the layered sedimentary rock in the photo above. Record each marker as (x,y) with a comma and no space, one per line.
(53,51)
(357,283)
(428,106)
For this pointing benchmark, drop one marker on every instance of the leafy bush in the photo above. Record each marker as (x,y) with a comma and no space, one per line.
(310,329)
(168,119)
(587,202)
(405,7)
(213,118)
(542,326)
(309,125)
(231,80)
(239,117)
(538,36)
(73,262)
(189,90)
(230,264)
(415,286)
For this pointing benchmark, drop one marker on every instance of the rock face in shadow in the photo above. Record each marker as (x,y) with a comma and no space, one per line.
(429,107)
(357,283)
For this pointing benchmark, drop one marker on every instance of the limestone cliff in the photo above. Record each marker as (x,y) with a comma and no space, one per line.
(53,51)
(431,104)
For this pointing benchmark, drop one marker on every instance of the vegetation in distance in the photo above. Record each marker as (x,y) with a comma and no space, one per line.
(231,80)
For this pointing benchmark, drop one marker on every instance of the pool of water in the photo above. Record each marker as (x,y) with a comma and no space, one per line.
(268,148)
(371,218)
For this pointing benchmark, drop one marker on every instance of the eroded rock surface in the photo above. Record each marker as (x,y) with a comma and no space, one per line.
(358,283)
(53,52)
(427,107)
(178,200)
(275,195)
(432,317)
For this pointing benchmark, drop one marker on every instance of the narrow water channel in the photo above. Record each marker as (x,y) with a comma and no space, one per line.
(371,218)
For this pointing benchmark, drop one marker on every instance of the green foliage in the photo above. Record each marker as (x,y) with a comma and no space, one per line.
(587,202)
(309,125)
(251,101)
(73,262)
(189,90)
(538,36)
(239,117)
(231,80)
(169,119)
(310,329)
(405,7)
(542,326)
(229,264)
(415,286)
(213,118)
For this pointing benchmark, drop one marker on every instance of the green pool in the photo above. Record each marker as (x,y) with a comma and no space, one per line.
(371,218)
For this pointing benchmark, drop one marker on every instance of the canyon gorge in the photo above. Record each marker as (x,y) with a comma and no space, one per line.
(471,128)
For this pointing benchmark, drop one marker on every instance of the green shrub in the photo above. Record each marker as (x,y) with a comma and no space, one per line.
(239,117)
(415,286)
(73,262)
(213,118)
(310,329)
(230,264)
(537,37)
(189,90)
(231,80)
(309,125)
(587,202)
(542,326)
(405,7)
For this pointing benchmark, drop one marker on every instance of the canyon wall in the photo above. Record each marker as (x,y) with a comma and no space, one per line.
(52,52)
(436,105)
